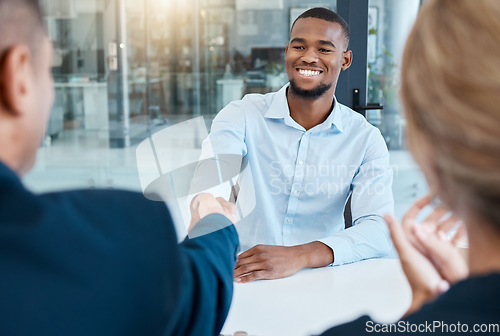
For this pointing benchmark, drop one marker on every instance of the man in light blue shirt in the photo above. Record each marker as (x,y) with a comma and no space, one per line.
(305,155)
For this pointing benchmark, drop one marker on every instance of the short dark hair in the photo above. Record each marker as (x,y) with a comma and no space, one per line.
(327,15)
(21,22)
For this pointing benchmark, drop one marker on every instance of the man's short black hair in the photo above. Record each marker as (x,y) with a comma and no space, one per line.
(327,15)
(21,22)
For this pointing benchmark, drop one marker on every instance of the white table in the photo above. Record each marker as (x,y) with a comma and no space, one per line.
(314,300)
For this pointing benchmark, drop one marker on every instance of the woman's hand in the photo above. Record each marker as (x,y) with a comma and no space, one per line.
(430,260)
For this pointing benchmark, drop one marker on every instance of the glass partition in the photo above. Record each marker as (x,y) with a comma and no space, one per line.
(124,69)
(389,22)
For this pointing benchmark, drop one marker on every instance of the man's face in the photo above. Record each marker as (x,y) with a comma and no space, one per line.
(45,82)
(41,98)
(315,56)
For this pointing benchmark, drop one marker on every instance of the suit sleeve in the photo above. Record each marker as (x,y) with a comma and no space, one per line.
(208,261)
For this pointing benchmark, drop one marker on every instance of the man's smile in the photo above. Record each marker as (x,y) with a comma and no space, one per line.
(308,72)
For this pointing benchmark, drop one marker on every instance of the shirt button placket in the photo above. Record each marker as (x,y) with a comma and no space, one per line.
(298,179)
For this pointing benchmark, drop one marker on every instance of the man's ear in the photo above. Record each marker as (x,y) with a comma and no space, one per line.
(347,59)
(15,76)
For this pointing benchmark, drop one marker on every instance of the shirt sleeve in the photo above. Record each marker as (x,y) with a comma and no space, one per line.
(221,152)
(371,199)
(227,135)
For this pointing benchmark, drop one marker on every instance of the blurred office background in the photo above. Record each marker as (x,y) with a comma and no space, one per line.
(124,69)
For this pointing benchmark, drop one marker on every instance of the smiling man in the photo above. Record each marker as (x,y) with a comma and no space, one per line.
(306,153)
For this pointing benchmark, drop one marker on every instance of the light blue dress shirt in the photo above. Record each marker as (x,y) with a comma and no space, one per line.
(299,181)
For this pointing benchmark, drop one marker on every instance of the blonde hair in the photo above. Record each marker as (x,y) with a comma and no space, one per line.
(451,95)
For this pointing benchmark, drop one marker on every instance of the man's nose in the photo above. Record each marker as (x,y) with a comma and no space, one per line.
(310,56)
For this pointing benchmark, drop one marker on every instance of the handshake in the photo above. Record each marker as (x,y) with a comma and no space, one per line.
(205,204)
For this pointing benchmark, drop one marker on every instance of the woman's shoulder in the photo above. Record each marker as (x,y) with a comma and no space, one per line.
(471,301)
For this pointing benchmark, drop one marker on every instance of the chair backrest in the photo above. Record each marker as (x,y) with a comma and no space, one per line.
(348,213)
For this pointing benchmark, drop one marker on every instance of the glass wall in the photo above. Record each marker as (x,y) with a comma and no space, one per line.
(77,67)
(124,69)
(183,65)
(389,22)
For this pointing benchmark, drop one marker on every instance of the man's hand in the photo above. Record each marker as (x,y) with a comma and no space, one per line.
(430,261)
(274,262)
(205,204)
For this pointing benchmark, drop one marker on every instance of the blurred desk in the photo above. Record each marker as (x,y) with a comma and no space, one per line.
(314,300)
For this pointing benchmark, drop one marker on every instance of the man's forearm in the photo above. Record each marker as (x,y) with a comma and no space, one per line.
(315,254)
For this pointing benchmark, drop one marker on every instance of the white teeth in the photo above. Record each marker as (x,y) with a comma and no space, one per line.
(309,73)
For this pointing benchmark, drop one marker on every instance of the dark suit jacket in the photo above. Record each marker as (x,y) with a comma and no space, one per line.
(472,303)
(107,263)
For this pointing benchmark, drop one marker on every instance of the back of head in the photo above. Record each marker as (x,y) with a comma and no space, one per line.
(451,95)
(26,91)
(21,22)
(327,15)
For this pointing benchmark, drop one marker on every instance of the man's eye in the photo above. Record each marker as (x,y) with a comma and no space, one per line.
(325,50)
(298,47)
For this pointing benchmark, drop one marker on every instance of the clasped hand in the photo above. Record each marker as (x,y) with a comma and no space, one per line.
(428,251)
(205,204)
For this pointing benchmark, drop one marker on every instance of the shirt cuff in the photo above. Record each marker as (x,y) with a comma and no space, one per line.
(342,249)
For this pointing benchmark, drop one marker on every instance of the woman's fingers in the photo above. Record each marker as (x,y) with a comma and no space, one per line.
(444,255)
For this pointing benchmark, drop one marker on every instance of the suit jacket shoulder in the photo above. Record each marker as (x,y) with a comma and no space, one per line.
(107,263)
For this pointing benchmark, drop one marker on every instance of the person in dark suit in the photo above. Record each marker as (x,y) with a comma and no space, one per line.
(94,262)
(451,93)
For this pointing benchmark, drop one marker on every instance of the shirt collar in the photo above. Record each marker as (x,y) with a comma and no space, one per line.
(335,117)
(278,109)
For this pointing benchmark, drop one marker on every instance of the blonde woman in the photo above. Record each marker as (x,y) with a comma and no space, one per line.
(451,95)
